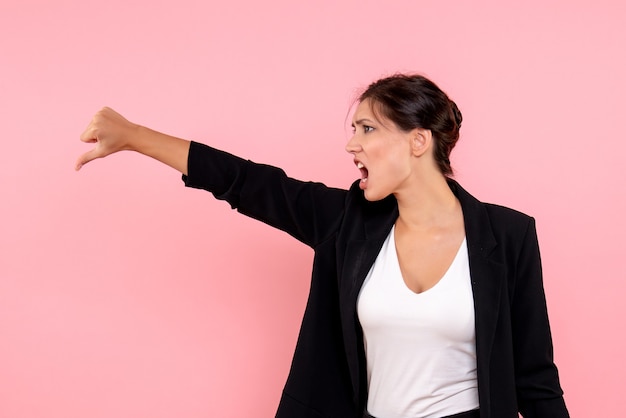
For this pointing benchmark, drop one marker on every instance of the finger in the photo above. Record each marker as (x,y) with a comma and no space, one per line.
(85,158)
(89,135)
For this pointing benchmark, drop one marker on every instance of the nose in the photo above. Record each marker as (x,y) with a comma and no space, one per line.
(353,145)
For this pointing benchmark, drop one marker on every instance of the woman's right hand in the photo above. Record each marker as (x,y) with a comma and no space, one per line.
(111,132)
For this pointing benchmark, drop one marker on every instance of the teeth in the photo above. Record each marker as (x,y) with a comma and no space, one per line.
(360,165)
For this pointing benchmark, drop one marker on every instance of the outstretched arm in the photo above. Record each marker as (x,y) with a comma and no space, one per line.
(308,211)
(111,132)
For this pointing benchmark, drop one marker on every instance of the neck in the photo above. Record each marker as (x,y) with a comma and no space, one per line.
(428,203)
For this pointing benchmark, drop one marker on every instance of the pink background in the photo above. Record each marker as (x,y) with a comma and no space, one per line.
(122,294)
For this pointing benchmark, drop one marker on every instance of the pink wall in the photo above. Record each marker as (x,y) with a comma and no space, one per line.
(124,295)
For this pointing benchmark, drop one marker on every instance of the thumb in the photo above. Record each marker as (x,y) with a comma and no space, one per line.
(86,157)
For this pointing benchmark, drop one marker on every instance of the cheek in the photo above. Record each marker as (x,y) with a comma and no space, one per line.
(390,159)
(398,162)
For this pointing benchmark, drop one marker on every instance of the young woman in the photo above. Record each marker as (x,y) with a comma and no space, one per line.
(424,301)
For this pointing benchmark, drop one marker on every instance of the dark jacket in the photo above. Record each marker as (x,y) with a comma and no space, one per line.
(327,378)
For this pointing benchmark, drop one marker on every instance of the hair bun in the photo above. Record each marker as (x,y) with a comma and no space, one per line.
(458,117)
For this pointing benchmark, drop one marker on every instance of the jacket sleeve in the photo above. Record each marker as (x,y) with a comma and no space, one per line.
(308,211)
(538,390)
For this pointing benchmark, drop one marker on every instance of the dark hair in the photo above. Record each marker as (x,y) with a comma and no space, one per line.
(413,101)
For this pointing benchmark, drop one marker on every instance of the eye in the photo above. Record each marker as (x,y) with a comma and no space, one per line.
(367,128)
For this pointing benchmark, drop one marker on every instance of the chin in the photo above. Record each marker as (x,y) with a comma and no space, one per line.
(373,197)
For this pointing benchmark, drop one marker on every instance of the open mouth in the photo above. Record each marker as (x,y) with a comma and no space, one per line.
(363,170)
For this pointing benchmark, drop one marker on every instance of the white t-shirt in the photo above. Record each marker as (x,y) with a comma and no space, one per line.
(420,348)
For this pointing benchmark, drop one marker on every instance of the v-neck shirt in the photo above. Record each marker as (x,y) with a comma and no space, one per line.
(420,347)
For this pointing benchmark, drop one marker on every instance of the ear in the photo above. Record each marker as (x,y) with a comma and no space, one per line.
(421,141)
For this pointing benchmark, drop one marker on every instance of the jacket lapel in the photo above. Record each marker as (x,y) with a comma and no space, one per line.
(360,255)
(487,277)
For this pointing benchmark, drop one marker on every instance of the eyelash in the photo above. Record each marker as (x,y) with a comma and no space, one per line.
(366,129)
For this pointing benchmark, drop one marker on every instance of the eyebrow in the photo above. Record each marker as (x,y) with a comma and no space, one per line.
(361,121)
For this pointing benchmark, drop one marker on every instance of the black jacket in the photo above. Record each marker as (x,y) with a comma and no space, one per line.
(327,378)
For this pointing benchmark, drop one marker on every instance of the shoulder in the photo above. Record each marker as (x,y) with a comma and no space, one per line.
(510,225)
(501,220)
(506,215)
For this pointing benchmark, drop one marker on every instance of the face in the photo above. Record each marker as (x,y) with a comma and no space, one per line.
(381,151)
